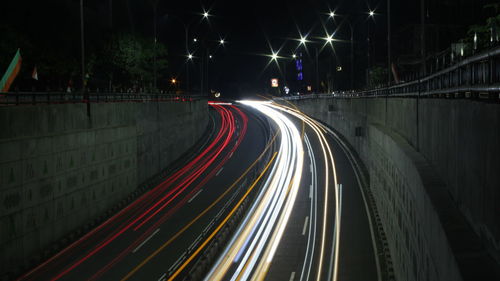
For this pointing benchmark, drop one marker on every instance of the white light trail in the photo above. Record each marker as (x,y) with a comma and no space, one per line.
(254,244)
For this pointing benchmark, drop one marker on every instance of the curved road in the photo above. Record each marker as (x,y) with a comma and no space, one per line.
(284,176)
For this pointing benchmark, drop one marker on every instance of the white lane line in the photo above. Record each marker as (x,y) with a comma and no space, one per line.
(311,167)
(194,196)
(231,155)
(181,258)
(219,171)
(311,191)
(292,276)
(145,241)
(305,226)
(163,277)
(367,209)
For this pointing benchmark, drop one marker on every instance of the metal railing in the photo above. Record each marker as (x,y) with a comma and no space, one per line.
(475,76)
(26,98)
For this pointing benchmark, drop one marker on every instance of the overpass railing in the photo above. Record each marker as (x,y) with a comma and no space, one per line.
(23,98)
(475,76)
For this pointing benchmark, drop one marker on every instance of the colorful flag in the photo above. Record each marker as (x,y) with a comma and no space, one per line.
(11,72)
(35,74)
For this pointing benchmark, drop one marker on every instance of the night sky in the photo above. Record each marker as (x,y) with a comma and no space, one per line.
(251,29)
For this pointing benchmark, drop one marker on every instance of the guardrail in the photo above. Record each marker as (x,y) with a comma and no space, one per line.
(475,76)
(24,98)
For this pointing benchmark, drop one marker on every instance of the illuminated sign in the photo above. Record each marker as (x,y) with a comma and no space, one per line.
(309,88)
(274,83)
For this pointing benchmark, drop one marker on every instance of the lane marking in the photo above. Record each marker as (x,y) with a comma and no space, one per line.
(163,277)
(145,241)
(187,226)
(311,191)
(219,171)
(179,260)
(305,226)
(194,196)
(231,155)
(292,276)
(355,167)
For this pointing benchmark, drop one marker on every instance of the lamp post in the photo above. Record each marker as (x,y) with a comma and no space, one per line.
(389,70)
(186,39)
(303,41)
(82,38)
(351,25)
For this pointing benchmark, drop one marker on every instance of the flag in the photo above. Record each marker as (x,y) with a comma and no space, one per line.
(11,72)
(35,74)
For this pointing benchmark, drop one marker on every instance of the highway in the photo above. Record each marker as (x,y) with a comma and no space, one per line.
(271,195)
(309,222)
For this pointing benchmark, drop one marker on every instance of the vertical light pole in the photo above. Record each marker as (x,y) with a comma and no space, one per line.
(154,46)
(82,38)
(351,27)
(422,37)
(389,70)
(186,34)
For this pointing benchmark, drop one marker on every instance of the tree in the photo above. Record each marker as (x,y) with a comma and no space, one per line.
(128,60)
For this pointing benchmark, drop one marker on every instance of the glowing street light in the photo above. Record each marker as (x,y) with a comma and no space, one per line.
(371,13)
(195,40)
(209,56)
(222,41)
(303,40)
(332,14)
(190,56)
(274,56)
(329,39)
(205,14)
(173,81)
(294,56)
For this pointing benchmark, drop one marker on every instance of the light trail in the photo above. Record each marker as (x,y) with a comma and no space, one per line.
(253,246)
(250,253)
(328,156)
(151,203)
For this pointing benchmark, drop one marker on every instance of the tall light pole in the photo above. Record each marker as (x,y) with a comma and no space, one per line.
(82,38)
(351,27)
(186,43)
(422,37)
(155,4)
(389,70)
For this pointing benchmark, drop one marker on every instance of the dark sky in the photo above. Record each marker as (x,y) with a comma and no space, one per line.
(251,29)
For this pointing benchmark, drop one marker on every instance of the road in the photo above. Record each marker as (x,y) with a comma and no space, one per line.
(310,222)
(271,195)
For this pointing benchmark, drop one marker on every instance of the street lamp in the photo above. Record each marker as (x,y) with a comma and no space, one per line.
(82,38)
(303,40)
(186,38)
(329,39)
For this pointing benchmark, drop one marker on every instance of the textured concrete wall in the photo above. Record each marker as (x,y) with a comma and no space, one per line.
(59,169)
(433,167)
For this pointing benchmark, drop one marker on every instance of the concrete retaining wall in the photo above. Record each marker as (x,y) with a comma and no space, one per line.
(433,168)
(59,169)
